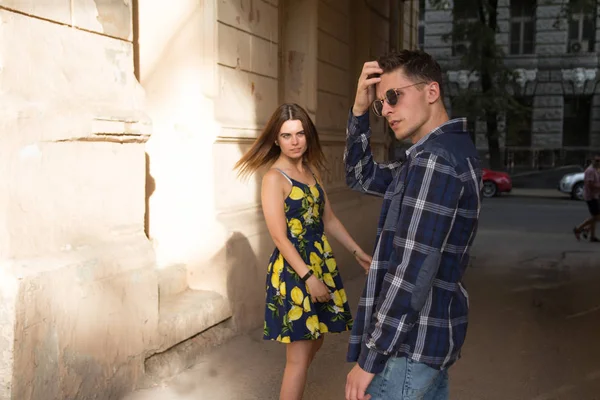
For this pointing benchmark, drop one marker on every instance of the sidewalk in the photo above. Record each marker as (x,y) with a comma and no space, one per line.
(532,336)
(249,368)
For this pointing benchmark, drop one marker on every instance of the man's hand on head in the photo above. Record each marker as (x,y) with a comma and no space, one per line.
(365,90)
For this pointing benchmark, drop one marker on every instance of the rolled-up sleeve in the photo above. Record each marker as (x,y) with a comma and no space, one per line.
(362,172)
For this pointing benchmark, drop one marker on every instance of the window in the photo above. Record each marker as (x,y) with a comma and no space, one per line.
(518,123)
(582,26)
(576,121)
(522,26)
(421,37)
(464,13)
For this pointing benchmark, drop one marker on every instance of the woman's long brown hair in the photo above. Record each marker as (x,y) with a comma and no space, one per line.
(264,151)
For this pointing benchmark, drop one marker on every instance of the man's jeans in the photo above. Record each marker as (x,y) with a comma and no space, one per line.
(405,379)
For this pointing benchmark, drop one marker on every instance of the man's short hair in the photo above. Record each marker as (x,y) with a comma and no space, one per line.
(417,65)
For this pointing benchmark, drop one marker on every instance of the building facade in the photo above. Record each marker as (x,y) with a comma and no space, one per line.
(127,243)
(555,61)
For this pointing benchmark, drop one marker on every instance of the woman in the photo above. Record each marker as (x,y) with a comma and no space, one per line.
(305,295)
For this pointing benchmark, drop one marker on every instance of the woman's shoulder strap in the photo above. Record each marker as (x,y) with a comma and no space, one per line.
(313,174)
(284,174)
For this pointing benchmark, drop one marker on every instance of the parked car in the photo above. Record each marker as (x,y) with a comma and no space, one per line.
(495,182)
(572,184)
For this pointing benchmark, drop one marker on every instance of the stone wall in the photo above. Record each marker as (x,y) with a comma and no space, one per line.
(78,285)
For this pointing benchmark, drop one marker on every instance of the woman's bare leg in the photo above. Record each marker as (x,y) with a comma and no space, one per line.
(316,346)
(299,355)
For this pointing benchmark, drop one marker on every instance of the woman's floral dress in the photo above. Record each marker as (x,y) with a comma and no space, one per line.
(290,314)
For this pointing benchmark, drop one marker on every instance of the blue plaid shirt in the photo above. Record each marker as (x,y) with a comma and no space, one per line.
(414,303)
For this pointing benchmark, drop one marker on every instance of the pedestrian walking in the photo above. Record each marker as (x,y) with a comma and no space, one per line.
(591,195)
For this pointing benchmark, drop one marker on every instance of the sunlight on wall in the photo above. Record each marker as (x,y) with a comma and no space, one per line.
(8,285)
(179,151)
(173,65)
(181,163)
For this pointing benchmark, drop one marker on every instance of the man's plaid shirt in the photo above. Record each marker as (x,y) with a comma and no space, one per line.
(429,217)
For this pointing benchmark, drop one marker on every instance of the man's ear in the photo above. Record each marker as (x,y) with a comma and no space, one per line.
(433,92)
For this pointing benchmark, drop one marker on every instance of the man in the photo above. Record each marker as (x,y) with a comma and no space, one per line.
(591,195)
(412,316)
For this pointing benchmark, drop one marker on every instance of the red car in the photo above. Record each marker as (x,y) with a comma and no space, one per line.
(495,182)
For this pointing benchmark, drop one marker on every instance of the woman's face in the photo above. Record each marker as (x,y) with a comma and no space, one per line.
(291,139)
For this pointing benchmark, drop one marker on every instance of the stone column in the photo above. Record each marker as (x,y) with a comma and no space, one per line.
(299,42)
(551,44)
(547,115)
(503,33)
(409,13)
(78,291)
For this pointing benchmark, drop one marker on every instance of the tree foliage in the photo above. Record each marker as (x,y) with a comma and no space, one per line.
(474,32)
(475,26)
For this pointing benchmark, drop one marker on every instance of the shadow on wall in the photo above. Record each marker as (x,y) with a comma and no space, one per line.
(150,187)
(245,282)
(247,260)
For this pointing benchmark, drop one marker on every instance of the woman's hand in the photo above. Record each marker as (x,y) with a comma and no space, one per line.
(319,292)
(363,259)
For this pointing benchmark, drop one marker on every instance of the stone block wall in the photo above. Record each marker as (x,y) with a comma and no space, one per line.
(78,285)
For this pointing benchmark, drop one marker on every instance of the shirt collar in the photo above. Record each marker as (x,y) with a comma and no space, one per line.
(453,125)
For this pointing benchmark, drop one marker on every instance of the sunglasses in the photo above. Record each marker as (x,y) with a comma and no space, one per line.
(391,97)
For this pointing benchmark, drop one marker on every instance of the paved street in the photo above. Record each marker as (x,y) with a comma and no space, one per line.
(534,322)
(516,227)
(532,214)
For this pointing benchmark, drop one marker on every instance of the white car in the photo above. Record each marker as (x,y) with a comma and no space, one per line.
(572,184)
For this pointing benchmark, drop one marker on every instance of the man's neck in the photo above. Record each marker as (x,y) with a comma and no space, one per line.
(437,119)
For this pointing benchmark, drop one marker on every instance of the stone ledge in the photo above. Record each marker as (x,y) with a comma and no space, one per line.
(39,123)
(172,280)
(117,255)
(186,354)
(186,314)
(119,127)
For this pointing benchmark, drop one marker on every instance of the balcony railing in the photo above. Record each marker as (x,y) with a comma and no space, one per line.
(518,159)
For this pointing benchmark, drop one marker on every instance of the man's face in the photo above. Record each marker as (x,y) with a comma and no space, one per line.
(597,161)
(412,109)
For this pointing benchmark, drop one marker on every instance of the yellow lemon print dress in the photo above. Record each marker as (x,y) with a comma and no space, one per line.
(290,314)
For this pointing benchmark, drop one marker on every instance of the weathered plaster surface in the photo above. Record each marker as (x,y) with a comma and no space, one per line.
(78,285)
